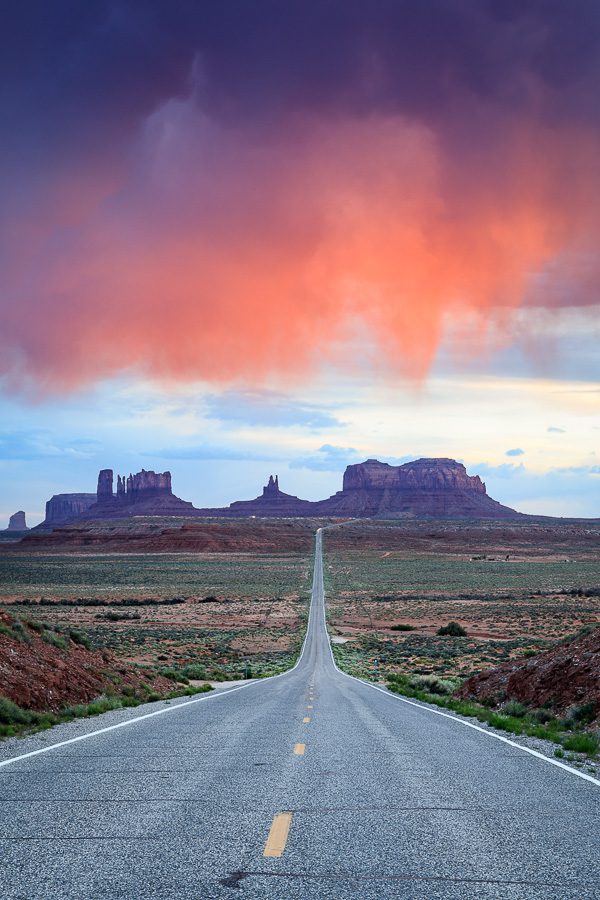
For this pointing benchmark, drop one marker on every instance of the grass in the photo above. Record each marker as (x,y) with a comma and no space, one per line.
(170,610)
(513,717)
(15,720)
(145,576)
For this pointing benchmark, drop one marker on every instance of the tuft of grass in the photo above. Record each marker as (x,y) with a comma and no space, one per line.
(434,684)
(578,716)
(522,724)
(56,640)
(581,743)
(17,631)
(16,720)
(78,637)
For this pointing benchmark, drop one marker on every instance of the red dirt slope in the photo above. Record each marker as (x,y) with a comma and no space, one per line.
(568,675)
(37,675)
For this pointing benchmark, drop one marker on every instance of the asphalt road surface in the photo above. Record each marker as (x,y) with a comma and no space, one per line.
(308,785)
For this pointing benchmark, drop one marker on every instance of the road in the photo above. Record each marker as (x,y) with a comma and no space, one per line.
(362,795)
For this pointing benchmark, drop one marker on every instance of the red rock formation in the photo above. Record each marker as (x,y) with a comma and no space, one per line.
(564,676)
(438,488)
(38,675)
(63,508)
(105,485)
(145,493)
(272,502)
(17,522)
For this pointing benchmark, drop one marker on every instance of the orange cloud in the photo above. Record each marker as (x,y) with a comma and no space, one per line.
(227,255)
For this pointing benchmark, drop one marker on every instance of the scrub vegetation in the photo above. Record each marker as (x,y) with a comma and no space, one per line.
(423,606)
(226,614)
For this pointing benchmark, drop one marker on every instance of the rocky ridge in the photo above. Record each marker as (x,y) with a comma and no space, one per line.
(42,670)
(566,676)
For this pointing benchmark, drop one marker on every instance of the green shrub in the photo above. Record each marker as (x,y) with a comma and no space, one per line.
(11,714)
(433,683)
(542,716)
(577,716)
(195,671)
(173,674)
(453,629)
(514,708)
(16,631)
(402,626)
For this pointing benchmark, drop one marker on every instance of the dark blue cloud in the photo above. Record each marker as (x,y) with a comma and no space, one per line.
(97,68)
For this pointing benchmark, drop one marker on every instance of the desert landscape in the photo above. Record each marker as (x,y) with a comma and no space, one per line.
(515,589)
(199,616)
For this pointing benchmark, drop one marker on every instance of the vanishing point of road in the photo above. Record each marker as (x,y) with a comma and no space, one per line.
(311,784)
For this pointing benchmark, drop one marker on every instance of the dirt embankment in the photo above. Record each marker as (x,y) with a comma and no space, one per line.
(45,670)
(567,675)
(146,537)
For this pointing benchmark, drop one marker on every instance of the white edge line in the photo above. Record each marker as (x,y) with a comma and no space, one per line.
(456,718)
(168,709)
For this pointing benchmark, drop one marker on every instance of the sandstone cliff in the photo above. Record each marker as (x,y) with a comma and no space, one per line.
(437,488)
(63,508)
(145,493)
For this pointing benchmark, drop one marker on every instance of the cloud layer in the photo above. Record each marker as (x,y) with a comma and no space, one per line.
(227,191)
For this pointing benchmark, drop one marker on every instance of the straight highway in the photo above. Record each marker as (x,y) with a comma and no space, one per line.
(308,785)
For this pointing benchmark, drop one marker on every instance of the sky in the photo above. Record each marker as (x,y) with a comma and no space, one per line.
(244,238)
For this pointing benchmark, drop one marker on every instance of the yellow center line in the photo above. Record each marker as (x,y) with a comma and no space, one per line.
(299,749)
(278,834)
(306,720)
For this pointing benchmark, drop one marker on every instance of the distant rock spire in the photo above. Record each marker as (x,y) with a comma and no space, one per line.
(105,485)
(271,489)
(17,522)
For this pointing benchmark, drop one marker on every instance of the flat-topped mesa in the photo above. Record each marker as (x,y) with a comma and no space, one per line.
(63,508)
(430,488)
(422,474)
